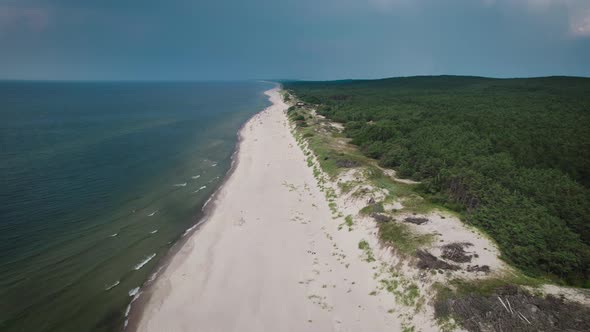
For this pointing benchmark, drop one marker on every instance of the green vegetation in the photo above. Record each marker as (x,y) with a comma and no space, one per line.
(372,208)
(411,201)
(286,97)
(511,155)
(405,291)
(327,150)
(348,222)
(368,253)
(408,329)
(345,187)
(402,237)
(457,288)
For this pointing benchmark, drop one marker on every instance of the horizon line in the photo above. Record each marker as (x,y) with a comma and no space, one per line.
(269,80)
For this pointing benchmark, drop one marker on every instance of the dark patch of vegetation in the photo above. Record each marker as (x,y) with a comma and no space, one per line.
(416,220)
(380,217)
(511,155)
(509,308)
(427,260)
(372,208)
(297,117)
(456,252)
(339,97)
(347,163)
(477,268)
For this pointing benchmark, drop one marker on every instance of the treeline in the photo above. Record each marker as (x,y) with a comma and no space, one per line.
(512,154)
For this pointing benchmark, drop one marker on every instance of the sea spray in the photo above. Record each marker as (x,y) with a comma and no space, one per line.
(134,291)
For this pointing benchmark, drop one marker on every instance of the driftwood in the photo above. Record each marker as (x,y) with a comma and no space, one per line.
(509,306)
(499,298)
(524,317)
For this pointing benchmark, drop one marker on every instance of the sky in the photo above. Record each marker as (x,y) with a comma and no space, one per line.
(291,39)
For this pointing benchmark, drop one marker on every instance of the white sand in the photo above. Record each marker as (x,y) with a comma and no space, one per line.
(268,258)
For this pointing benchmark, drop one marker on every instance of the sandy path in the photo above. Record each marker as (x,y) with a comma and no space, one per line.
(266,259)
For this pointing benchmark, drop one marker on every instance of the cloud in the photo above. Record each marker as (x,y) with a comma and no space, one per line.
(578,13)
(581,26)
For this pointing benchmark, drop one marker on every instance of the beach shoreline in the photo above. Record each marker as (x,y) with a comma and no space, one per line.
(137,304)
(266,259)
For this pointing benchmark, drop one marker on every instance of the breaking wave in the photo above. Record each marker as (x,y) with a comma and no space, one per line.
(113,285)
(144,262)
(134,291)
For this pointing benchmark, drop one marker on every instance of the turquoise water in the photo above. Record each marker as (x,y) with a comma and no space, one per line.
(97,180)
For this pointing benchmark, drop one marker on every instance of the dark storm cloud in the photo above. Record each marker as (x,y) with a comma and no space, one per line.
(321,39)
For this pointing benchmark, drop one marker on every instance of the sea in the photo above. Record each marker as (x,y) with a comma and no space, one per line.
(98,180)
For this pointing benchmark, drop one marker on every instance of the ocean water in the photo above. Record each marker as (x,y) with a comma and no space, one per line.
(97,181)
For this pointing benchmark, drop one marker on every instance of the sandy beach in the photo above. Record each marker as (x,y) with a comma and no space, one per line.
(266,259)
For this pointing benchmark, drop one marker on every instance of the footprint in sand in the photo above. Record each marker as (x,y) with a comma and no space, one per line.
(240,222)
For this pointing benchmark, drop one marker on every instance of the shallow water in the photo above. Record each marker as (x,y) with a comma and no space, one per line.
(97,180)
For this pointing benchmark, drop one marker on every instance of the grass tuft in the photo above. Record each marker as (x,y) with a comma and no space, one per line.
(402,238)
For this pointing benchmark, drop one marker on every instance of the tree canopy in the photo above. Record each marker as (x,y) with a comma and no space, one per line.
(512,155)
